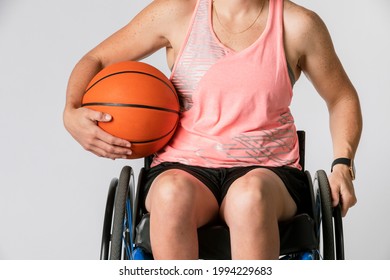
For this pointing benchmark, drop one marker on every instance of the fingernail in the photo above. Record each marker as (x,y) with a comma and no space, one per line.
(107,117)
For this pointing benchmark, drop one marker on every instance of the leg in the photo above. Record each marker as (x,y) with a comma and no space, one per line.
(252,208)
(178,204)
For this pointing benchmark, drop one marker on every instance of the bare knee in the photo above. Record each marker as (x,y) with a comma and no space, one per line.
(249,198)
(261,194)
(171,191)
(251,215)
(181,197)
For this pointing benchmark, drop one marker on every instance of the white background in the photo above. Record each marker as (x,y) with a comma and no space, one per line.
(52,192)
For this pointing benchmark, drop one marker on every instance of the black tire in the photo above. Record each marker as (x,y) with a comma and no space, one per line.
(326,217)
(339,233)
(133,196)
(121,195)
(106,236)
(313,212)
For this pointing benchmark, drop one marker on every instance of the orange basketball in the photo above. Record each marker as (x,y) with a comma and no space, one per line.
(142,102)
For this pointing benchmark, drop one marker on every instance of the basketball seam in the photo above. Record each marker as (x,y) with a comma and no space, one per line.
(126,72)
(130,105)
(154,139)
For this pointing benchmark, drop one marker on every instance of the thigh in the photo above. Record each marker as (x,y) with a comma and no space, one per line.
(181,193)
(263,190)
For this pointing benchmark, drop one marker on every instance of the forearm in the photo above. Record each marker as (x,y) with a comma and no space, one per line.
(345,125)
(81,75)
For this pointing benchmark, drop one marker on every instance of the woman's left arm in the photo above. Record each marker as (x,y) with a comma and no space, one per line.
(323,68)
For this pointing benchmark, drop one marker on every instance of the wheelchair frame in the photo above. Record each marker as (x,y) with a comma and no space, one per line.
(126,228)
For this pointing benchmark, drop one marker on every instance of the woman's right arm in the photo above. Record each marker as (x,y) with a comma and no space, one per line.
(145,34)
(82,122)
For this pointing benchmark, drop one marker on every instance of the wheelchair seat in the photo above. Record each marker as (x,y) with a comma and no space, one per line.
(299,236)
(214,240)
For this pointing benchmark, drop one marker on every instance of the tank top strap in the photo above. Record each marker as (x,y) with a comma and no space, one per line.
(198,53)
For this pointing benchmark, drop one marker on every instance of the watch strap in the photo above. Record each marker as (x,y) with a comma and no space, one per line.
(346,161)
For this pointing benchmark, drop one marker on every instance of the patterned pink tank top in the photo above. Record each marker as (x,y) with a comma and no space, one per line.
(235,105)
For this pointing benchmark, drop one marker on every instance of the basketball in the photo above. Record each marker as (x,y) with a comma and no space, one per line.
(142,102)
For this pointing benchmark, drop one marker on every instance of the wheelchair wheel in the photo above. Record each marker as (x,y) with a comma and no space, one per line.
(326,219)
(106,236)
(330,219)
(338,227)
(118,217)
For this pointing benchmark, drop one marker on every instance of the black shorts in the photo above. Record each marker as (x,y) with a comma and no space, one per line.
(218,180)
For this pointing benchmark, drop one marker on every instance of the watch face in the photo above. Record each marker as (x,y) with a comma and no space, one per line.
(352,170)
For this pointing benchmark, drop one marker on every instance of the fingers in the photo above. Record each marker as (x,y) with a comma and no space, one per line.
(108,146)
(99,116)
(82,124)
(347,198)
(335,193)
(342,191)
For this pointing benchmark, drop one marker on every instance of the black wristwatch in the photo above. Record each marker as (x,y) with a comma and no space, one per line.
(347,161)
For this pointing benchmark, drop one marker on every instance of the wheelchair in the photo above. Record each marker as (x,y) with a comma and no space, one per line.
(310,236)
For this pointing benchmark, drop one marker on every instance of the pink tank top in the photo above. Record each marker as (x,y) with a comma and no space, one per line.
(235,105)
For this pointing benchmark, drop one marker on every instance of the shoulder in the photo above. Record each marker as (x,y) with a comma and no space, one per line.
(166,14)
(302,23)
(305,31)
(171,8)
(162,18)
(311,42)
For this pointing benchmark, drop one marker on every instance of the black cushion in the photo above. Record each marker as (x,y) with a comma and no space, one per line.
(296,235)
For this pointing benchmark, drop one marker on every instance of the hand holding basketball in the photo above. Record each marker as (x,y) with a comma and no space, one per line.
(82,125)
(142,102)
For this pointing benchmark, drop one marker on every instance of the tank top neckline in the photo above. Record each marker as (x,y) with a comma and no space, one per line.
(252,45)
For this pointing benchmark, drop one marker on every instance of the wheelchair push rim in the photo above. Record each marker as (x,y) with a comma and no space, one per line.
(329,220)
(118,221)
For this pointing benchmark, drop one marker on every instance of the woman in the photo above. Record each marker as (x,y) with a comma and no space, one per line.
(235,153)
